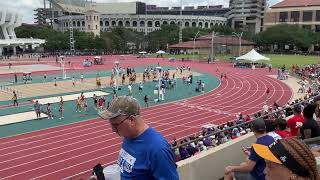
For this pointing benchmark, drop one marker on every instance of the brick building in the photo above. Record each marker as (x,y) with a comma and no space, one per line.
(304,13)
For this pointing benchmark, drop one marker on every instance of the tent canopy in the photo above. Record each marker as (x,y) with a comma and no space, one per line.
(160,52)
(252,56)
(142,52)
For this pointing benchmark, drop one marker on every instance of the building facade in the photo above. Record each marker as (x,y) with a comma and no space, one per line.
(134,15)
(140,23)
(203,46)
(9,20)
(247,15)
(305,14)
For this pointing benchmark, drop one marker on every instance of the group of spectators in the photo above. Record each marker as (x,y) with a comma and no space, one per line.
(278,143)
(273,117)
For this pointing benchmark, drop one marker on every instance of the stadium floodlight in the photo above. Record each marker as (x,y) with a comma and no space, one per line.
(239,35)
(194,44)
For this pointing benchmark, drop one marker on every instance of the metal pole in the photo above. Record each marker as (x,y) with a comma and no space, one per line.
(180,27)
(239,36)
(194,44)
(212,45)
(240,44)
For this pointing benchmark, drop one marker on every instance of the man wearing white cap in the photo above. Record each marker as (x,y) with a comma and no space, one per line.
(145,154)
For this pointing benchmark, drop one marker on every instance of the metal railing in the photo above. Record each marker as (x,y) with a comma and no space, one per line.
(241,124)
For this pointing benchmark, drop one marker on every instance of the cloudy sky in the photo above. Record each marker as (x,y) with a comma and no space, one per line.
(26,7)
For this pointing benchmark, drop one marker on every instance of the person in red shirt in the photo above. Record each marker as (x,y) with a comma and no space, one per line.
(281,125)
(295,122)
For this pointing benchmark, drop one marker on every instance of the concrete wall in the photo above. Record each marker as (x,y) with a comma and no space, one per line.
(210,165)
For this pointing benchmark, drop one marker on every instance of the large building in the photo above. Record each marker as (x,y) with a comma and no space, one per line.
(304,13)
(247,15)
(9,20)
(134,15)
(243,14)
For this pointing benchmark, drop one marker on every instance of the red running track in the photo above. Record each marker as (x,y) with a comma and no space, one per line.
(61,152)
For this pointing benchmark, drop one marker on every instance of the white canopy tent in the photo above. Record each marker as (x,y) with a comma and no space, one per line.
(160,52)
(142,52)
(252,56)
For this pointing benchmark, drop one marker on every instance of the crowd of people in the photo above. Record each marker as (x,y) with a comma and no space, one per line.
(274,117)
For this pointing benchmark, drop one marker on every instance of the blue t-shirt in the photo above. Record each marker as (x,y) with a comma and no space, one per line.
(258,169)
(147,157)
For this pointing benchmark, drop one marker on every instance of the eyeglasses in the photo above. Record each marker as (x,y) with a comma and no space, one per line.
(116,125)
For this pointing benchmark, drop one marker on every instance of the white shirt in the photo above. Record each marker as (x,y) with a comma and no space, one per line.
(129,87)
(274,135)
(265,108)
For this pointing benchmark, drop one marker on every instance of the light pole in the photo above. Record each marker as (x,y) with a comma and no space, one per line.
(239,35)
(159,68)
(180,26)
(117,74)
(194,44)
(212,37)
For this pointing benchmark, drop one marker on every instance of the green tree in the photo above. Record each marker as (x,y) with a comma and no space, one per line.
(285,34)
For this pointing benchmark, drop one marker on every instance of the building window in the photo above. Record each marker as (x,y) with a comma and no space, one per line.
(307,16)
(172,22)
(127,23)
(106,23)
(295,16)
(78,23)
(142,24)
(200,24)
(96,26)
(186,24)
(101,23)
(194,24)
(113,23)
(89,27)
(149,23)
(83,23)
(134,24)
(206,25)
(283,17)
(157,24)
(317,28)
(120,23)
(317,15)
(165,22)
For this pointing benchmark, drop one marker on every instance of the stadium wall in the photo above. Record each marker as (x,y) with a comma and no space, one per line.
(210,165)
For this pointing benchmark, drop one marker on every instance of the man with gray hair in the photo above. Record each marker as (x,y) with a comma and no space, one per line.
(145,154)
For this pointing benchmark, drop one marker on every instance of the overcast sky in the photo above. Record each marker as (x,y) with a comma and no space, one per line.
(26,7)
